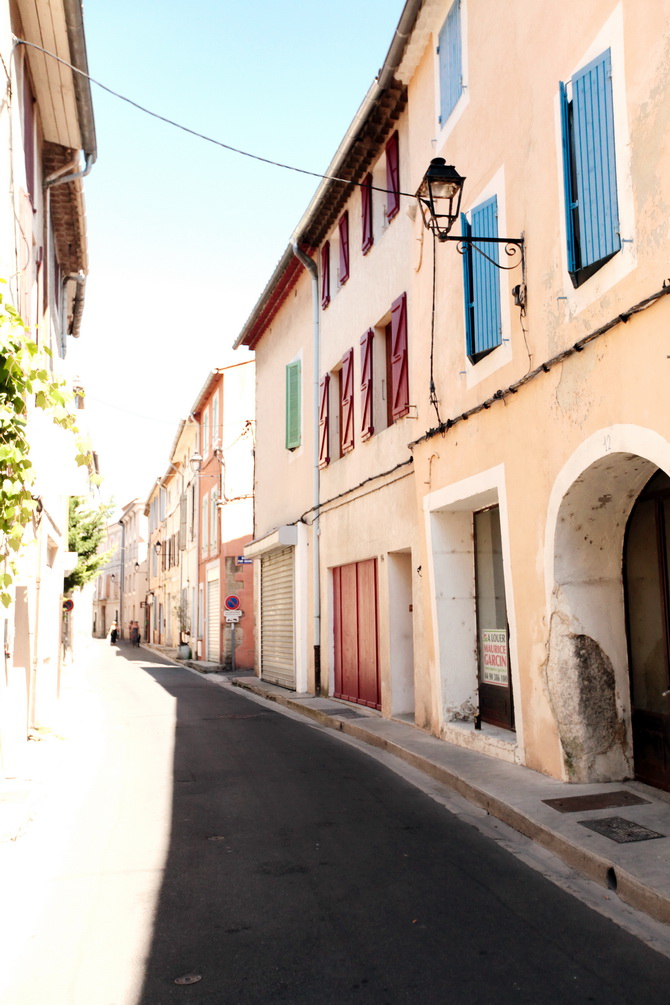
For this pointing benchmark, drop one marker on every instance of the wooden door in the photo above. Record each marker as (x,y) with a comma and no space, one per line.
(356,631)
(647,579)
(495,679)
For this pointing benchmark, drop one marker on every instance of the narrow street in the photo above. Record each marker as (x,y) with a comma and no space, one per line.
(204,833)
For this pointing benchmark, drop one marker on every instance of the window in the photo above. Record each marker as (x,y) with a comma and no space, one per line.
(343,228)
(215,421)
(589,169)
(205,433)
(325,275)
(204,526)
(293,415)
(347,402)
(367,239)
(450,62)
(367,387)
(481,283)
(324,422)
(392,178)
(399,380)
(214,521)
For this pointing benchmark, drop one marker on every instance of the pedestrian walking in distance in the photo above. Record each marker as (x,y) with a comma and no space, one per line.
(135,633)
(113,634)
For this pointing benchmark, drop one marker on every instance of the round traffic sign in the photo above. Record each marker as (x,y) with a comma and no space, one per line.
(231,603)
(68,604)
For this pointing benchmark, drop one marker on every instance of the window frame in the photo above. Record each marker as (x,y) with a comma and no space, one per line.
(293,409)
(590,185)
(343,233)
(481,282)
(450,62)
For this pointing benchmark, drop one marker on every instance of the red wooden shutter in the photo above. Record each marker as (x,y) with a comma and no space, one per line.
(392,178)
(325,274)
(324,456)
(347,402)
(399,376)
(366,214)
(344,247)
(367,428)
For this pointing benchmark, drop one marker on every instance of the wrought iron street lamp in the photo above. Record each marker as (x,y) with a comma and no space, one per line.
(439,198)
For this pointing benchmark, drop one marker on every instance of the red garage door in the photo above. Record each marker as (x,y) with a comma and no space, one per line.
(355,611)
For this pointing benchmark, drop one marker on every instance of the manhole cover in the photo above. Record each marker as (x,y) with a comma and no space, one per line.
(595,801)
(620,830)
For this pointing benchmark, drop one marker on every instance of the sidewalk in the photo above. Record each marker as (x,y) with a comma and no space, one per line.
(634,860)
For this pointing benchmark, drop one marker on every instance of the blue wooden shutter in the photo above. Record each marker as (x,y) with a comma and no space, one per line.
(367,427)
(293,405)
(325,274)
(392,177)
(595,162)
(399,374)
(366,214)
(343,228)
(451,68)
(486,278)
(324,422)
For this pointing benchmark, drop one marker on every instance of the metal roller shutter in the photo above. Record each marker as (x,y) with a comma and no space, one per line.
(277,635)
(213,620)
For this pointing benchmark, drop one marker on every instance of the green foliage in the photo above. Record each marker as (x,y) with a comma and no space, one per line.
(25,371)
(86,531)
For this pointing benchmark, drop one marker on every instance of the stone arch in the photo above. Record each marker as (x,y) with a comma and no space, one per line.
(586,669)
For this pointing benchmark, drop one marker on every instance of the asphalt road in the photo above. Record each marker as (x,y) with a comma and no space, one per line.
(208,835)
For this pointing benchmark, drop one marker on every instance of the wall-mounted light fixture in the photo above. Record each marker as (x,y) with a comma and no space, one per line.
(196,463)
(158,547)
(439,198)
(137,566)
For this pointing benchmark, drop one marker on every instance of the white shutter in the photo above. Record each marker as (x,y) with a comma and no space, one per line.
(213,620)
(277,634)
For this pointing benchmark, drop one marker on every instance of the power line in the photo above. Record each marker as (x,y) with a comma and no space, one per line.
(199,135)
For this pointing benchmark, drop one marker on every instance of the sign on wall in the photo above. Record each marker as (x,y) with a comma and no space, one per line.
(494,657)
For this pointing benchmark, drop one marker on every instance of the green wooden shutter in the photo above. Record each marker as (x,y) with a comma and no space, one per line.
(293,405)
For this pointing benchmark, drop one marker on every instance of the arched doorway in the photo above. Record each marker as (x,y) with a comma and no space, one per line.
(647,593)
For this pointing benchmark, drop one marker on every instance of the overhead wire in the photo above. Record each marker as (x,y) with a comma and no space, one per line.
(197,133)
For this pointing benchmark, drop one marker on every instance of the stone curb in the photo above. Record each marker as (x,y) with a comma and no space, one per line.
(628,888)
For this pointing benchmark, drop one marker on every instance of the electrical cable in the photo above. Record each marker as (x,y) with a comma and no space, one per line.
(199,135)
(545,367)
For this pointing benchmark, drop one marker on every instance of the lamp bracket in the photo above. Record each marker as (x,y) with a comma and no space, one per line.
(513,246)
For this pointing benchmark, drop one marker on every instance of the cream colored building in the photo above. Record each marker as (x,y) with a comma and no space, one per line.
(47,145)
(133,571)
(107,586)
(505,522)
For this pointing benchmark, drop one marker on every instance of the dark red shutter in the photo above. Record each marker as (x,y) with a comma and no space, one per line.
(29,134)
(344,247)
(325,274)
(367,341)
(347,402)
(399,376)
(366,214)
(392,178)
(324,422)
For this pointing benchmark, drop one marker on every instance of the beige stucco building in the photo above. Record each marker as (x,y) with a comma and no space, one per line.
(47,145)
(463,522)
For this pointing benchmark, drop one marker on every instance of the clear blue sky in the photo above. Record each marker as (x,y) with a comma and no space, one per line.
(183,235)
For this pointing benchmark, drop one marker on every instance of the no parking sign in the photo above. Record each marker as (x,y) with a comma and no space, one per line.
(232,603)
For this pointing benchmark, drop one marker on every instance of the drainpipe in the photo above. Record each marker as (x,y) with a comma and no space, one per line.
(310,265)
